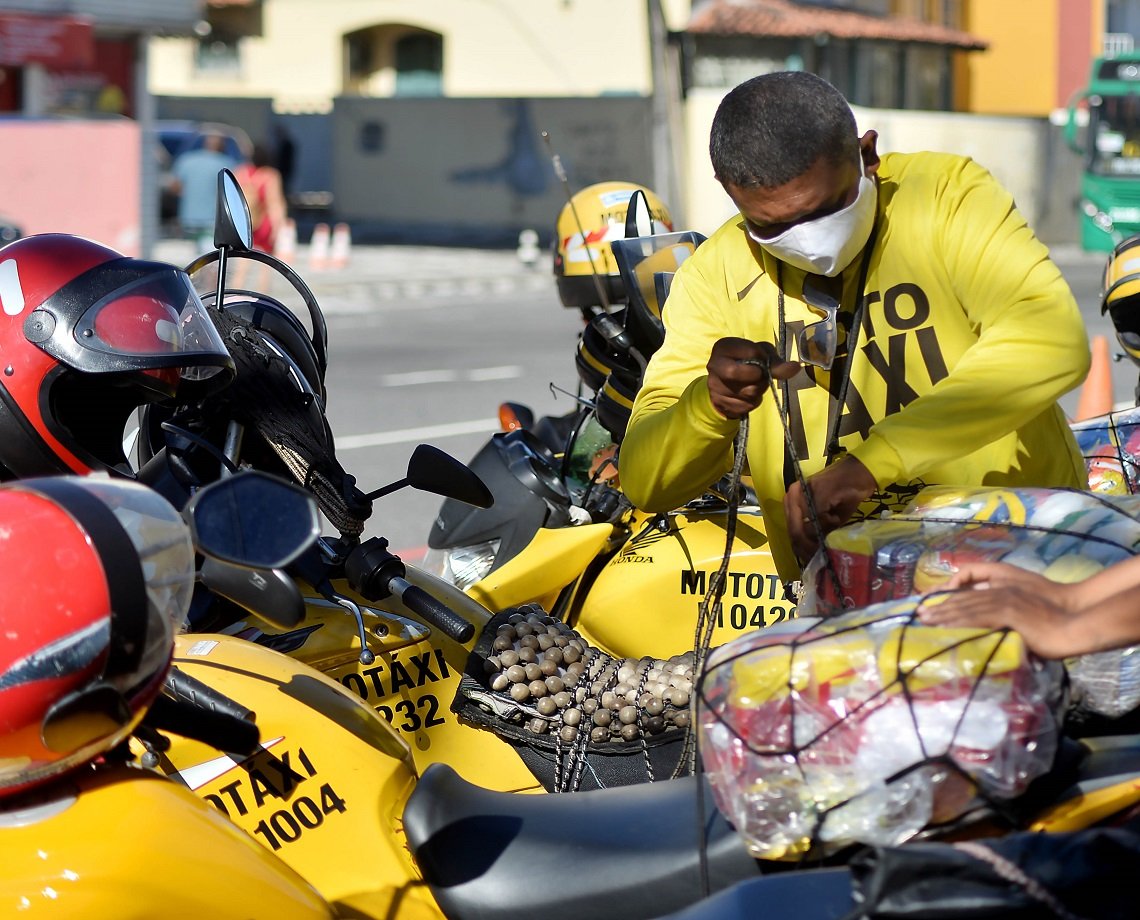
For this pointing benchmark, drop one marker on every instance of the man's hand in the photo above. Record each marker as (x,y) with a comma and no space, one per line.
(837,492)
(740,373)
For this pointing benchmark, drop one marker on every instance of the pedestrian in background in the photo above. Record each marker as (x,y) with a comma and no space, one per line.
(196,183)
(261,183)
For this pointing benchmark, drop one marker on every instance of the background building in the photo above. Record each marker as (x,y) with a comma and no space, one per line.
(74,154)
(420,121)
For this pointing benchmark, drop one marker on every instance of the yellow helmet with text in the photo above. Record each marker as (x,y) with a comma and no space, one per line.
(583,261)
(1120,294)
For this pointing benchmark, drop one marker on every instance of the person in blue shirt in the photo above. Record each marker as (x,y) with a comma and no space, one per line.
(196,175)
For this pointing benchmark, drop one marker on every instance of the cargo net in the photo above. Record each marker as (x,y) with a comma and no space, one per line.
(1110,446)
(1065,535)
(573,710)
(868,727)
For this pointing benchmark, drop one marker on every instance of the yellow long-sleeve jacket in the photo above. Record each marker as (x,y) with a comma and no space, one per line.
(969,336)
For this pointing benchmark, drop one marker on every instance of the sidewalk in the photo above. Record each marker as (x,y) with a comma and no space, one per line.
(378,275)
(386,273)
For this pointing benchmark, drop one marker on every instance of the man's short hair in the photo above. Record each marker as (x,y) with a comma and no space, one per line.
(774,127)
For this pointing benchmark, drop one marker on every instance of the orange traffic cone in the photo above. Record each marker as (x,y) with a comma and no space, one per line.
(341,246)
(1096,395)
(285,247)
(319,248)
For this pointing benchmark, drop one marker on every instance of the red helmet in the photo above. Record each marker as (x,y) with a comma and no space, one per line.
(89,624)
(87,336)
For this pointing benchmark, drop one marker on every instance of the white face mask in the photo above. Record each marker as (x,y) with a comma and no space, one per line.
(828,244)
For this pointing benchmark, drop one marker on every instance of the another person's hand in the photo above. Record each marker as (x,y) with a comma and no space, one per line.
(1003,575)
(740,372)
(836,492)
(1045,625)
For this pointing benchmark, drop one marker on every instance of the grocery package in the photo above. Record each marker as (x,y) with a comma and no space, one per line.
(1065,534)
(868,727)
(1110,445)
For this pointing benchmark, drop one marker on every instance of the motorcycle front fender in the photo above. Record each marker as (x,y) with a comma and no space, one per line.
(551,561)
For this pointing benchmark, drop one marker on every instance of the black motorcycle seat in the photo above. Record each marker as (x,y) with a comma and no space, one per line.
(629,852)
(816,894)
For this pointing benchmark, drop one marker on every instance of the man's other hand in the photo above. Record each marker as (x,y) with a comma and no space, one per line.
(836,492)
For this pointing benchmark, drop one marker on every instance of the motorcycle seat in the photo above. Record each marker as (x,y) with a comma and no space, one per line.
(629,850)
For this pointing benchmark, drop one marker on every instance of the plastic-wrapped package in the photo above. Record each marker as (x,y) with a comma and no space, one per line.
(1110,445)
(1107,683)
(1064,534)
(868,727)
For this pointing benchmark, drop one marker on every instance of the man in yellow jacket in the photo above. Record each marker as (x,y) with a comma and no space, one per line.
(953,337)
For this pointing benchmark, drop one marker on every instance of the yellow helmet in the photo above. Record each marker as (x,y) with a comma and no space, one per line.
(586,225)
(1120,294)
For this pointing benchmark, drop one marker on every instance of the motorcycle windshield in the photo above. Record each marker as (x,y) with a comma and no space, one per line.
(251,274)
(646,265)
(641,259)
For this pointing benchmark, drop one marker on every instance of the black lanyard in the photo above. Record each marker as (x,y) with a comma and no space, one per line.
(831,448)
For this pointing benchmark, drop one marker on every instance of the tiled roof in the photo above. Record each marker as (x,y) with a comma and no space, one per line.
(786,19)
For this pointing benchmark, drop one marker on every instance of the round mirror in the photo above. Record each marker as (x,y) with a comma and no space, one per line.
(233,227)
(253,519)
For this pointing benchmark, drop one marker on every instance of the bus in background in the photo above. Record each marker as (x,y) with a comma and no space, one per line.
(1104,127)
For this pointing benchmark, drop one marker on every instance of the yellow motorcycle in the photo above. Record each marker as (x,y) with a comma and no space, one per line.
(562,534)
(84,832)
(377,626)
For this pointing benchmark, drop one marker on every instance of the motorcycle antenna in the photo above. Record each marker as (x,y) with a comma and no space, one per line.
(560,172)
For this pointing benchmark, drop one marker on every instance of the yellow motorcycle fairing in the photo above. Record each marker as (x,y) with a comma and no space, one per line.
(1099,794)
(120,841)
(413,679)
(327,789)
(644,601)
(551,561)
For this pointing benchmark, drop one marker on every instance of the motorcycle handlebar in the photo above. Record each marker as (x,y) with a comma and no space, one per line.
(375,572)
(217,729)
(435,612)
(192,691)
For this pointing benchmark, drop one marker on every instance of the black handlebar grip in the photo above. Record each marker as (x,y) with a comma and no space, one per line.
(217,729)
(190,690)
(437,613)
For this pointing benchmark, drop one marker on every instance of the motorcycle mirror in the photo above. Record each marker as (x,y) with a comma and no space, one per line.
(432,470)
(253,519)
(233,226)
(268,593)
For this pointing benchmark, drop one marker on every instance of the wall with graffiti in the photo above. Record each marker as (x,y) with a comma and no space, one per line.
(477,171)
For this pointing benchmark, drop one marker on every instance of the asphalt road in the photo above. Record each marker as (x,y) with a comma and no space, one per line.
(434,369)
